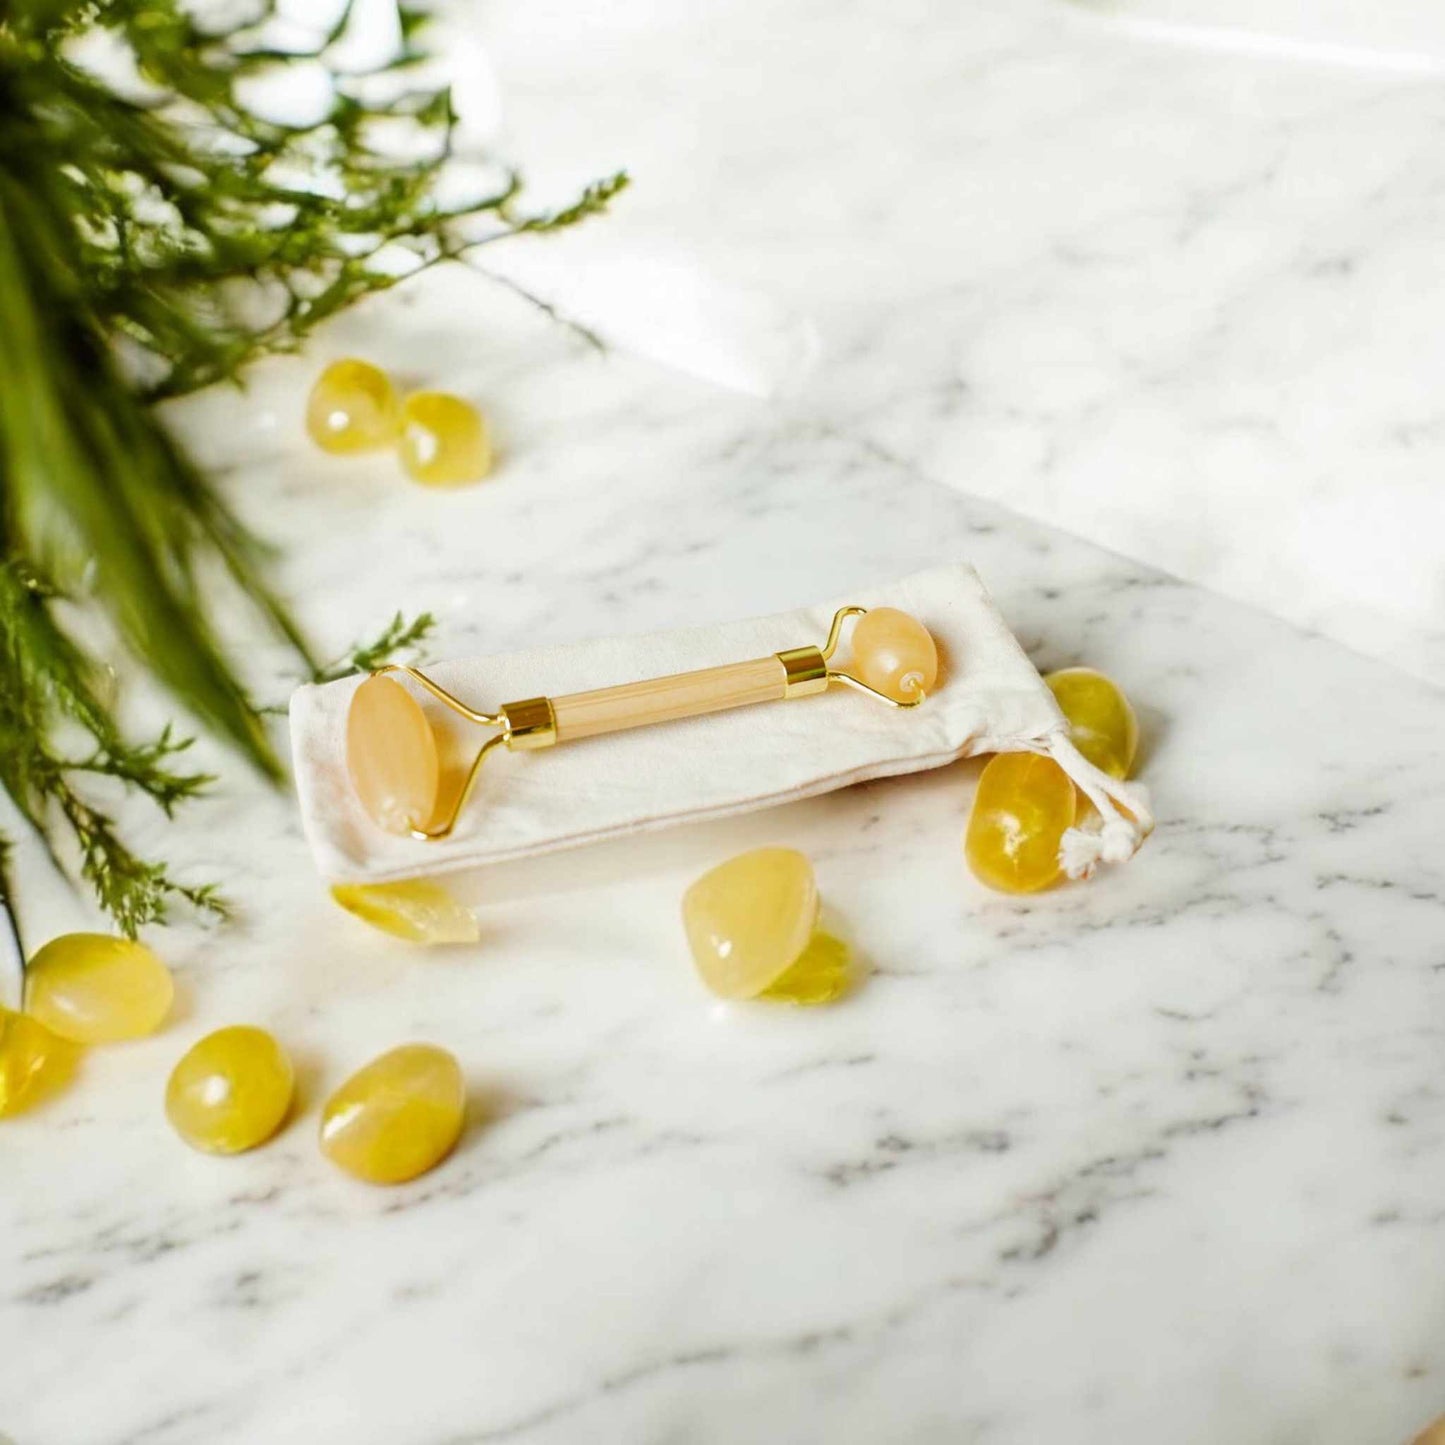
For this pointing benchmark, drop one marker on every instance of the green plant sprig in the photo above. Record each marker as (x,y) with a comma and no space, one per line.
(48,680)
(397,637)
(156,236)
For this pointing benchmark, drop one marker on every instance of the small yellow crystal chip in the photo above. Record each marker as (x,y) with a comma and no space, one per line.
(821,974)
(231,1091)
(444,440)
(1023,805)
(352,408)
(749,920)
(28,1053)
(92,988)
(894,654)
(391,755)
(1101,720)
(397,1117)
(418,910)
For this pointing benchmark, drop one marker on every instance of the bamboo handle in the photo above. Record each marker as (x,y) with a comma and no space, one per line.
(664,699)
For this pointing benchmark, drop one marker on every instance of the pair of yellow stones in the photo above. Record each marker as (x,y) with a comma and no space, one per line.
(1025,803)
(440,440)
(392,1120)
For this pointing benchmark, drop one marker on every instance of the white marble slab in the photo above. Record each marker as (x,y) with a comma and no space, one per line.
(1183,301)
(1160,1157)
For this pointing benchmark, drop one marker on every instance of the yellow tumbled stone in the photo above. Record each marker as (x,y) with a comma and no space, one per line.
(894,654)
(1432,1434)
(444,440)
(92,988)
(822,973)
(397,1117)
(748,920)
(353,407)
(391,755)
(418,910)
(28,1053)
(1023,805)
(1101,720)
(231,1091)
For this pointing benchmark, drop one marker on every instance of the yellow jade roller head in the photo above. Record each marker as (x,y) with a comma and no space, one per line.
(391,755)
(391,751)
(895,654)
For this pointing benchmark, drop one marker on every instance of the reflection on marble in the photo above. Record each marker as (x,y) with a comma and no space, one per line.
(1406,36)
(1185,303)
(1157,1157)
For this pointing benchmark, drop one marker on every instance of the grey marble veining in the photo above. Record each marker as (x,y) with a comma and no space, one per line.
(1182,301)
(1157,1157)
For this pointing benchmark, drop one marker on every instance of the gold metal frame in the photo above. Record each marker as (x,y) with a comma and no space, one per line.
(531,724)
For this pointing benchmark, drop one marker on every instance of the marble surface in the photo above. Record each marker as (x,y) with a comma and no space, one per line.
(1183,301)
(1157,1157)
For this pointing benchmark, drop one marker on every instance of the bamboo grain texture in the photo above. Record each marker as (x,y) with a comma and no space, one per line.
(665,699)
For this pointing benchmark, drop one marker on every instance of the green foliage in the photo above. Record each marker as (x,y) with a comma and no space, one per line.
(156,234)
(398,636)
(49,693)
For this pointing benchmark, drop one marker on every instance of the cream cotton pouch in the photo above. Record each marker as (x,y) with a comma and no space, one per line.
(530,799)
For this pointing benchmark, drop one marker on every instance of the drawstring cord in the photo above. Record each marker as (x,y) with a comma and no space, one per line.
(1125,818)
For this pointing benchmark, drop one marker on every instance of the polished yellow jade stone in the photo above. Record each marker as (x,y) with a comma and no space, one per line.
(1101,721)
(1432,1434)
(894,654)
(28,1050)
(444,440)
(231,1091)
(92,988)
(397,1117)
(353,408)
(1023,806)
(391,755)
(418,910)
(821,973)
(748,920)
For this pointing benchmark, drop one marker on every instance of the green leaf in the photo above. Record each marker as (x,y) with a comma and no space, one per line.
(139,215)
